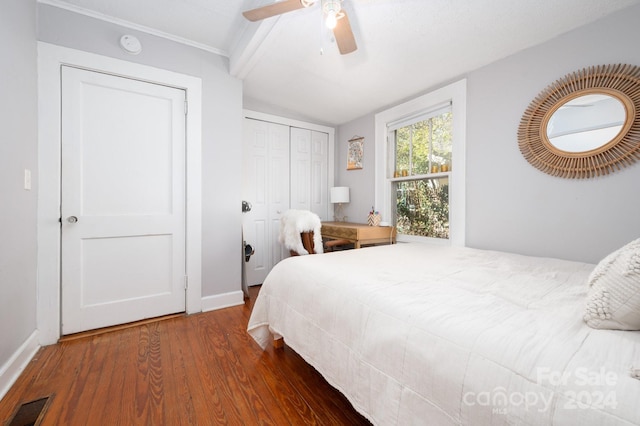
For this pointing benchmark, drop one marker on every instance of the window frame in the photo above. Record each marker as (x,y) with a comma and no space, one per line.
(454,93)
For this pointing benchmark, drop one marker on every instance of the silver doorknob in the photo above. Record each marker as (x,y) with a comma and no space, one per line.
(72,219)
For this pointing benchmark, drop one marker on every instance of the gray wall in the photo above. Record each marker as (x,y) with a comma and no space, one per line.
(512,206)
(360,182)
(221,128)
(18,151)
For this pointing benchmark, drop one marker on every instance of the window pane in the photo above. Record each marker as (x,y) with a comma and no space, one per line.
(422,207)
(403,148)
(420,157)
(424,144)
(441,134)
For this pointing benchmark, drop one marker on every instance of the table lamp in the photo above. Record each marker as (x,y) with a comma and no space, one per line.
(339,195)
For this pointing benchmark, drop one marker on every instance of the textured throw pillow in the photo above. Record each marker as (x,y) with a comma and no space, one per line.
(613,301)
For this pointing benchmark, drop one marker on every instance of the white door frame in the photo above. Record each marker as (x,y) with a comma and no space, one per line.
(50,59)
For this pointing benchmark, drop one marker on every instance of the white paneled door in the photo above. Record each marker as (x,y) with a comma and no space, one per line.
(122,201)
(309,171)
(265,184)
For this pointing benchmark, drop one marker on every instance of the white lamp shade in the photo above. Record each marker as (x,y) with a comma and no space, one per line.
(339,194)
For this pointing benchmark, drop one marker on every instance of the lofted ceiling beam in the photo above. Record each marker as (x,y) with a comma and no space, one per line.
(249,48)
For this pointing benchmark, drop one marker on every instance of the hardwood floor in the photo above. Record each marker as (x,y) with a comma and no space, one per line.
(197,369)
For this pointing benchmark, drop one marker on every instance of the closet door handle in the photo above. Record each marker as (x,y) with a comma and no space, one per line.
(72,219)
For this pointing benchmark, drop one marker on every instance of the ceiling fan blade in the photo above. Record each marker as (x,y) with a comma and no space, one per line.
(272,10)
(344,35)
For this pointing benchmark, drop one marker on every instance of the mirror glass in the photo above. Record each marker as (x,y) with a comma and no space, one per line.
(585,123)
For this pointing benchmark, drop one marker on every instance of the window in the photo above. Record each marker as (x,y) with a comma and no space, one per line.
(420,166)
(421,157)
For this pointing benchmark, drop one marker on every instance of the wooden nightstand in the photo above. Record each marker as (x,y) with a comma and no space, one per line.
(358,233)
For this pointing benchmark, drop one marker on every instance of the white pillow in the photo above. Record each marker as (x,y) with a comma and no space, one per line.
(613,300)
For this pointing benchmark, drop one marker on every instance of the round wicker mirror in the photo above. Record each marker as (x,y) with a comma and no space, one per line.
(617,86)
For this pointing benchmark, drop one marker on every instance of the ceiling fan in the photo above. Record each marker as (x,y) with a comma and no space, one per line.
(335,18)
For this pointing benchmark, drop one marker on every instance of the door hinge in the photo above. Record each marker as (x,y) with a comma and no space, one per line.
(186,107)
(186,282)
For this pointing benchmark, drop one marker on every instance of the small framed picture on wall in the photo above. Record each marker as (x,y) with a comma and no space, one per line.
(355,153)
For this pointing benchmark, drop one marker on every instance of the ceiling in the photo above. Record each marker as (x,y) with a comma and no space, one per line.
(290,64)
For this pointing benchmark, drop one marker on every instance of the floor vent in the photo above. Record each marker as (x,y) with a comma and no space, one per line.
(30,413)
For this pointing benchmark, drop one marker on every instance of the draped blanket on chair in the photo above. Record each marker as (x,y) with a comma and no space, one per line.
(292,223)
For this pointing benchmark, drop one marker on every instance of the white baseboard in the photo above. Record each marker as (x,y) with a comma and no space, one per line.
(12,369)
(219,301)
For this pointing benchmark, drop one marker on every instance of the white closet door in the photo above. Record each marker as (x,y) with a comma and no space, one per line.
(265,184)
(300,168)
(123,200)
(319,175)
(309,171)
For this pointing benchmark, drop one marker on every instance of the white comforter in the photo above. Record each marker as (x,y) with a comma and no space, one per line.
(414,334)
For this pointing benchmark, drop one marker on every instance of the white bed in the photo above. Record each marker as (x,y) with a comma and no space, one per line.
(419,334)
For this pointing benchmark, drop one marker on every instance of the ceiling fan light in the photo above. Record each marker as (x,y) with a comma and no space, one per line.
(332,20)
(331,9)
